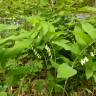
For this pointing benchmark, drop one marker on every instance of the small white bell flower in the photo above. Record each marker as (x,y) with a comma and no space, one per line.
(92,54)
(46,47)
(82,62)
(48,50)
(85,60)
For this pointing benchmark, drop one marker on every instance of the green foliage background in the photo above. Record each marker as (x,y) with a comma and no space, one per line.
(47,48)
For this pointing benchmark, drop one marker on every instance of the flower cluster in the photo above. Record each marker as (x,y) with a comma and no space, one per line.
(85,59)
(48,50)
(36,53)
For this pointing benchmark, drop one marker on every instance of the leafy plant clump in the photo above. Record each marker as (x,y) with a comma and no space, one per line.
(47,48)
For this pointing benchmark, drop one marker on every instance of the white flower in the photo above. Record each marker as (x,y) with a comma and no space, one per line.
(92,54)
(47,48)
(38,56)
(85,60)
(82,62)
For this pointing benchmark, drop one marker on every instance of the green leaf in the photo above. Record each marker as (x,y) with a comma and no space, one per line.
(44,28)
(33,20)
(81,38)
(75,48)
(90,68)
(89,73)
(54,64)
(15,38)
(87,27)
(64,71)
(3,94)
(63,43)
(17,48)
(58,88)
(51,32)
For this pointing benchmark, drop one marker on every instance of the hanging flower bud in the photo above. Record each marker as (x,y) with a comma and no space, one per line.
(92,54)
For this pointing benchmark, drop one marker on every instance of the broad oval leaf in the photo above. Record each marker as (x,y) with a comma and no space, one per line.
(64,71)
(63,43)
(81,38)
(88,28)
